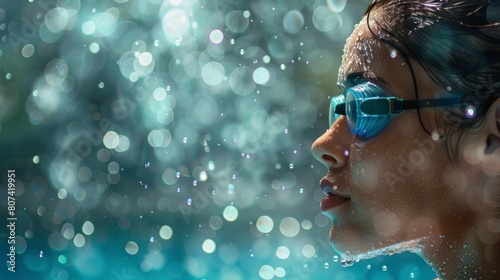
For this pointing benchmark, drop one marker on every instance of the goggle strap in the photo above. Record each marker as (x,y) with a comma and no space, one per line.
(402,105)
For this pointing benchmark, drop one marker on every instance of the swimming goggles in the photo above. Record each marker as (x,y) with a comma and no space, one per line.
(368,110)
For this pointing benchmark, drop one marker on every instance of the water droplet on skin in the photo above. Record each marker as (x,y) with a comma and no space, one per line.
(435,135)
(394,53)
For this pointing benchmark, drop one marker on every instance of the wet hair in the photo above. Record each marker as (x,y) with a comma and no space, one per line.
(457,42)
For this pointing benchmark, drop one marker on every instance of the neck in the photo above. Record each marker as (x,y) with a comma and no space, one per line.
(475,255)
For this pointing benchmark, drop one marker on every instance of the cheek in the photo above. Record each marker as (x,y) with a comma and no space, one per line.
(406,173)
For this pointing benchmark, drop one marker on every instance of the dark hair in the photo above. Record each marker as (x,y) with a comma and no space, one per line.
(457,43)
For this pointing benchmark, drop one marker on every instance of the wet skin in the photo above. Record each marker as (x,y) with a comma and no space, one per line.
(401,183)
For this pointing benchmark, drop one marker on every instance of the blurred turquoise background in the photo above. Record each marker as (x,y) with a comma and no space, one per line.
(171,139)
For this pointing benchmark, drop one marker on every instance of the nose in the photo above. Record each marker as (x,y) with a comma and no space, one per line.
(332,148)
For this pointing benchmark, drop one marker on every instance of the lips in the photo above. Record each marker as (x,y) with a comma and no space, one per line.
(334,198)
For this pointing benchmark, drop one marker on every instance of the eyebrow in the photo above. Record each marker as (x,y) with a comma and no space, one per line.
(357,77)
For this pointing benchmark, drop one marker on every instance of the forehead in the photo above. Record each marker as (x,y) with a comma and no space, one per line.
(366,55)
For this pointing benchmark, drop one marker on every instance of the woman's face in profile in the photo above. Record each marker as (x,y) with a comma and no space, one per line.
(400,183)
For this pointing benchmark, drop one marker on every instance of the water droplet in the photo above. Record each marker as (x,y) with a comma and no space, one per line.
(442,236)
(178,190)
(151,239)
(327,265)
(147,164)
(184,140)
(346,153)
(369,267)
(291,165)
(301,190)
(394,53)
(335,258)
(101,85)
(412,275)
(384,268)
(189,201)
(211,165)
(470,111)
(195,183)
(335,187)
(41,253)
(435,135)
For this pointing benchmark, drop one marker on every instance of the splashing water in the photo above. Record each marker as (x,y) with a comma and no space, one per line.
(413,246)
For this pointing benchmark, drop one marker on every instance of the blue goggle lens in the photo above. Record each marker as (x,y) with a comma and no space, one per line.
(360,123)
